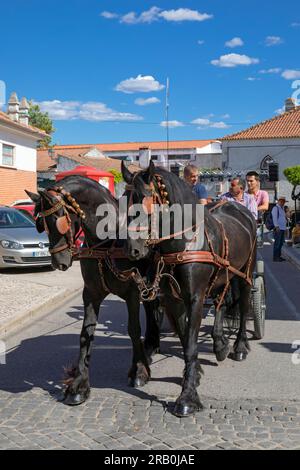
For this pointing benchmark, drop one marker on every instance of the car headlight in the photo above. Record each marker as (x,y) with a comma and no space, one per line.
(11,245)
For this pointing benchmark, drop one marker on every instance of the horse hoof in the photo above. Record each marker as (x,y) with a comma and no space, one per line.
(221,355)
(182,411)
(76,399)
(239,356)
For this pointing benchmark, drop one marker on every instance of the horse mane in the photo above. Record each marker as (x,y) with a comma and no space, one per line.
(178,190)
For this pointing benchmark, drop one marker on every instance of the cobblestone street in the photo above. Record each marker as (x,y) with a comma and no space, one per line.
(252,404)
(32,420)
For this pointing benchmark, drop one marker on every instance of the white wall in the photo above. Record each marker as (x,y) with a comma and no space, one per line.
(25,148)
(247,155)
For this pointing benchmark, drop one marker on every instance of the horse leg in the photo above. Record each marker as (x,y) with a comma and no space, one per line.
(188,402)
(241,345)
(78,387)
(153,321)
(139,373)
(221,343)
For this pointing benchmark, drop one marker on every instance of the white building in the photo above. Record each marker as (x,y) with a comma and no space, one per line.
(203,153)
(18,156)
(276,139)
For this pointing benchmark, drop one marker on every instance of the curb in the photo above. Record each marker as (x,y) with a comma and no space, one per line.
(288,254)
(291,257)
(12,325)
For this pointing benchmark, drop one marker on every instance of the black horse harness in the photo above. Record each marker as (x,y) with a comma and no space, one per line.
(147,291)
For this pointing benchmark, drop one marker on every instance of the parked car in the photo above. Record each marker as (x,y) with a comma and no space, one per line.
(25,205)
(20,243)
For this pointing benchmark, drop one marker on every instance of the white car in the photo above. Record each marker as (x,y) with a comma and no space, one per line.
(20,243)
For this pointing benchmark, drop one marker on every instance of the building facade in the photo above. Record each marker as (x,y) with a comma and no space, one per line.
(275,140)
(18,155)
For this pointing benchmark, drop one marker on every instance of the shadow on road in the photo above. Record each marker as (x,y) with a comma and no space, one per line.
(38,362)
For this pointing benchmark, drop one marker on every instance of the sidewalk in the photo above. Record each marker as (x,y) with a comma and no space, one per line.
(291,253)
(25,294)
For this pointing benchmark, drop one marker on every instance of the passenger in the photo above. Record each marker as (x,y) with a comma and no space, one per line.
(190,175)
(279,221)
(261,196)
(237,193)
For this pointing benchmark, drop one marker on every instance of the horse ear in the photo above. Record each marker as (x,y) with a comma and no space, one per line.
(126,173)
(34,197)
(149,172)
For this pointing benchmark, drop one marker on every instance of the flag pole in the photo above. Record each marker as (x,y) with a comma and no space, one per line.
(167,120)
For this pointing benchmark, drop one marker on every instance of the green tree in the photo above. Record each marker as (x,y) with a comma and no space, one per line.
(292,174)
(117,175)
(41,120)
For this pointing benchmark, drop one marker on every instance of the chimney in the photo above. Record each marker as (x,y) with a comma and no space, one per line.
(13,107)
(290,104)
(144,157)
(24,108)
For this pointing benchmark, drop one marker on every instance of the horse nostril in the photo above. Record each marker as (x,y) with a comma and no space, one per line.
(135,252)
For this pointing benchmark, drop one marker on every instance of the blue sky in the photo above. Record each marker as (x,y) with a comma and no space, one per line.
(92,64)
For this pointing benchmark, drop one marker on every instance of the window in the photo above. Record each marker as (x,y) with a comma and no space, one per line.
(180,157)
(7,155)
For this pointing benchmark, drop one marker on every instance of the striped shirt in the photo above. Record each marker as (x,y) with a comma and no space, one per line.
(247,200)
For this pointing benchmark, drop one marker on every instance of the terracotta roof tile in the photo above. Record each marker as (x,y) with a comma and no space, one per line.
(104,164)
(135,146)
(284,126)
(32,130)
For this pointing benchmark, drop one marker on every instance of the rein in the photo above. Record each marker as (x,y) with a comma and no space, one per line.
(221,262)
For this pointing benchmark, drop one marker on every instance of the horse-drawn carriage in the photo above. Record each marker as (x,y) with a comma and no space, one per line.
(228,253)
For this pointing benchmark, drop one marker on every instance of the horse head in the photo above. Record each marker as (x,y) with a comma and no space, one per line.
(58,213)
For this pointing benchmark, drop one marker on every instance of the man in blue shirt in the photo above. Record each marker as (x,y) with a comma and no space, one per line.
(279,221)
(191,174)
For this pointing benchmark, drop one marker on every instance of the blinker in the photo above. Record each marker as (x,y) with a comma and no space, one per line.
(63,224)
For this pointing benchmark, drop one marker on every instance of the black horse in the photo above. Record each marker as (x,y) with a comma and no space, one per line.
(62,210)
(230,235)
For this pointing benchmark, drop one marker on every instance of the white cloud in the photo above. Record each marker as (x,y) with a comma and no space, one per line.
(200,42)
(252,79)
(184,14)
(140,84)
(296,24)
(156,14)
(234,60)
(234,42)
(280,110)
(108,15)
(172,124)
(225,116)
(205,123)
(201,121)
(273,70)
(273,41)
(148,16)
(291,74)
(146,101)
(89,111)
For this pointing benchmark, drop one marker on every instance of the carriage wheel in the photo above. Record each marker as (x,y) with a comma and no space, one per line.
(259,307)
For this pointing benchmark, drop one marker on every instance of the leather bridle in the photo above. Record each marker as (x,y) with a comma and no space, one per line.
(159,196)
(63,222)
